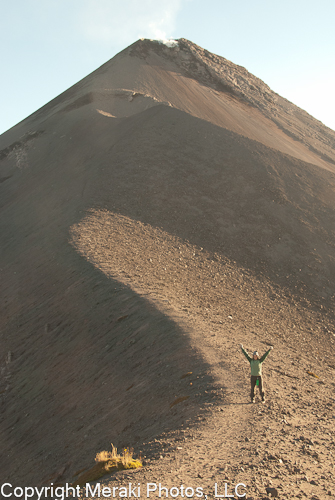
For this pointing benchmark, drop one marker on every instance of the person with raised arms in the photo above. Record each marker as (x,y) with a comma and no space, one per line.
(256,372)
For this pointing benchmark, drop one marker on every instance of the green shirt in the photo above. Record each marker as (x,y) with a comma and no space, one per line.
(255,364)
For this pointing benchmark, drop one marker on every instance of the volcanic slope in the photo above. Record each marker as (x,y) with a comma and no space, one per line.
(163,210)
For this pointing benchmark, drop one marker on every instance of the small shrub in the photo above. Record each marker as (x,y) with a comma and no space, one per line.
(128,461)
(108,461)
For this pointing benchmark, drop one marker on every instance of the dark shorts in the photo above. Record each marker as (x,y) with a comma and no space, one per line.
(254,379)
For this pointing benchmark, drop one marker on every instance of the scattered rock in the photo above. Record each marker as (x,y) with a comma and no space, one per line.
(272,491)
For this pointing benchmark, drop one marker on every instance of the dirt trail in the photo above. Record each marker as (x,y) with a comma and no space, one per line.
(286,443)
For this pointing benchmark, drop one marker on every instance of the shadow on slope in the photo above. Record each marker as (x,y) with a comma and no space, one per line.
(90,363)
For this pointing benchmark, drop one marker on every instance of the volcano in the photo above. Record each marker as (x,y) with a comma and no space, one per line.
(164,209)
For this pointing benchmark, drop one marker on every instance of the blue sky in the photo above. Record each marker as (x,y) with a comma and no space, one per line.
(48,45)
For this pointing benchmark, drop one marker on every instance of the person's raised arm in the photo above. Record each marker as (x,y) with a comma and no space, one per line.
(245,353)
(265,355)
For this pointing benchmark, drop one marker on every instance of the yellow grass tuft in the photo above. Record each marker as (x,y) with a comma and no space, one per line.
(128,461)
(108,461)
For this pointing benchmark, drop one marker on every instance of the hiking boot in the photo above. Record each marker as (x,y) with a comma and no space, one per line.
(263,399)
(253,400)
